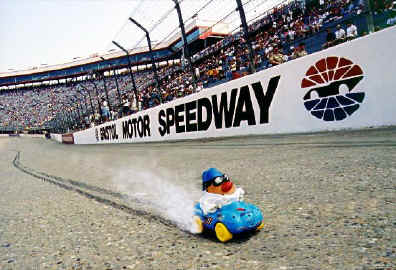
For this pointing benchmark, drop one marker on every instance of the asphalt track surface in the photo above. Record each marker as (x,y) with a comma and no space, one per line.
(329,202)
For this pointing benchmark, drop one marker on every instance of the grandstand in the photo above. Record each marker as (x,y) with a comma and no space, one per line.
(89,91)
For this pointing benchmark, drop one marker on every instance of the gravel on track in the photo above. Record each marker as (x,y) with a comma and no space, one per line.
(328,199)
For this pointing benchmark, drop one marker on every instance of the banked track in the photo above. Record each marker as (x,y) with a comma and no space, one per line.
(87,190)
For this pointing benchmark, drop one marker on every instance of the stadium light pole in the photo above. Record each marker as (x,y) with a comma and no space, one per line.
(65,121)
(75,116)
(117,86)
(79,106)
(185,44)
(65,117)
(72,118)
(79,114)
(151,52)
(116,82)
(79,101)
(84,110)
(76,103)
(246,35)
(369,16)
(97,93)
(82,113)
(69,115)
(84,99)
(130,70)
(54,124)
(90,98)
(58,122)
(105,87)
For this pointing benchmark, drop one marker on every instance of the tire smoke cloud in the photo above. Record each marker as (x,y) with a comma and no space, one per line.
(159,192)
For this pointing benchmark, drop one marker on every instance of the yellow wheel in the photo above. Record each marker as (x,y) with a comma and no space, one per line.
(197,226)
(222,233)
(260,226)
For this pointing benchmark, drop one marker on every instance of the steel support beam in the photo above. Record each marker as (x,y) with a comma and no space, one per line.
(153,65)
(185,44)
(130,70)
(246,35)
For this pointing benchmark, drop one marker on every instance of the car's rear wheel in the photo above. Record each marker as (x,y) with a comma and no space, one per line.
(222,233)
(197,225)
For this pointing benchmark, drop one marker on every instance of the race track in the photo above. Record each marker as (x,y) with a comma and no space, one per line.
(329,202)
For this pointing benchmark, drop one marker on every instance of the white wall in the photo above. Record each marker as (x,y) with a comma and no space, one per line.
(25,135)
(32,135)
(56,137)
(374,54)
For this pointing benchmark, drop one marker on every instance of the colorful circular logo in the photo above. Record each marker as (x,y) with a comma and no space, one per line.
(332,94)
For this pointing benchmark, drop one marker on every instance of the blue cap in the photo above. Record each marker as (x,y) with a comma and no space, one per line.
(210,174)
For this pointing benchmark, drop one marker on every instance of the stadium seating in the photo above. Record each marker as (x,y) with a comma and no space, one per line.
(227,59)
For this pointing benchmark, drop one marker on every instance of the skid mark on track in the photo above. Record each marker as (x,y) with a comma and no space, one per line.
(78,187)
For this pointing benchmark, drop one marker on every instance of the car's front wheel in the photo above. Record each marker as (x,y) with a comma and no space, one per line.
(222,233)
(259,227)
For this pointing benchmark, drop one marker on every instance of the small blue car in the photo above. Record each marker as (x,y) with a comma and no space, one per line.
(231,219)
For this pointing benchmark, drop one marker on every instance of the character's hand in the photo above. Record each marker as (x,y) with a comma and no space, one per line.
(241,194)
(213,207)
(219,205)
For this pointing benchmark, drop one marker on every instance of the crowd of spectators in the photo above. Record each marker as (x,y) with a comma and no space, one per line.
(30,108)
(382,5)
(277,37)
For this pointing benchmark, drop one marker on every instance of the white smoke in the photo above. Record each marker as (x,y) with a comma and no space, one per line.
(158,192)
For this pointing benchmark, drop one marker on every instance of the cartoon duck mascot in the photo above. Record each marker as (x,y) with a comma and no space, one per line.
(222,209)
(218,190)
